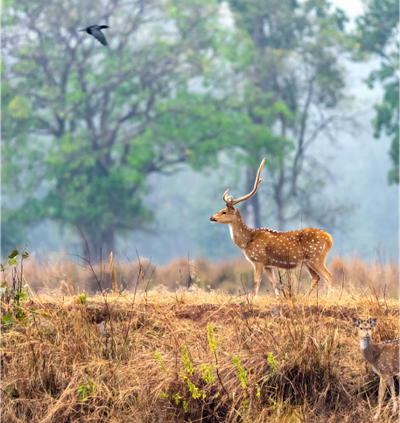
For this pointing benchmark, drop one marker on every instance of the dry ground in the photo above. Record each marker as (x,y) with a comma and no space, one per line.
(193,356)
(150,354)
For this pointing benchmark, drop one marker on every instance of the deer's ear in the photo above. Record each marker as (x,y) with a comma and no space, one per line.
(374,322)
(356,322)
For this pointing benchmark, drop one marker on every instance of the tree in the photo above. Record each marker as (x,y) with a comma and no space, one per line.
(14,121)
(377,34)
(84,124)
(294,85)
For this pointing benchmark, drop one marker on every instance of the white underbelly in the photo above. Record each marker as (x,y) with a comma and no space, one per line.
(284,266)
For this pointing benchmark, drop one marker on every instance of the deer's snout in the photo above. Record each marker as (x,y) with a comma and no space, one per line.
(213,219)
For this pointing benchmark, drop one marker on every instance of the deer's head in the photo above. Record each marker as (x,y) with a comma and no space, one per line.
(365,326)
(225,216)
(228,214)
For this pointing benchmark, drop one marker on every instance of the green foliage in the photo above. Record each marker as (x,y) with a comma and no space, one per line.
(194,391)
(188,369)
(12,262)
(176,398)
(186,360)
(292,85)
(212,343)
(83,297)
(164,394)
(242,373)
(84,391)
(18,292)
(89,124)
(16,297)
(242,376)
(377,34)
(273,363)
(258,394)
(160,361)
(207,373)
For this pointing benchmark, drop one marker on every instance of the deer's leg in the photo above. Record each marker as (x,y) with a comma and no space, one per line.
(272,278)
(393,391)
(382,389)
(258,272)
(327,275)
(314,279)
(318,266)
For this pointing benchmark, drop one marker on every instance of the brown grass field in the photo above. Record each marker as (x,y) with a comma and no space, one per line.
(156,351)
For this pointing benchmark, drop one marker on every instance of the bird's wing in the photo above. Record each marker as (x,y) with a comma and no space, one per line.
(99,36)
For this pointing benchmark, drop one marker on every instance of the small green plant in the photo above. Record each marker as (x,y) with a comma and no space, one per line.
(82,392)
(163,394)
(258,394)
(186,360)
(8,318)
(242,373)
(194,391)
(211,338)
(159,360)
(185,406)
(273,363)
(189,368)
(12,263)
(18,292)
(85,391)
(176,398)
(83,297)
(207,373)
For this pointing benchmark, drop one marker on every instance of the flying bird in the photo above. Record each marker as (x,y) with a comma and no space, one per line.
(95,30)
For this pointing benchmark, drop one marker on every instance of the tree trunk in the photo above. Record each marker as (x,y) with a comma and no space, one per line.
(108,241)
(281,218)
(252,205)
(104,239)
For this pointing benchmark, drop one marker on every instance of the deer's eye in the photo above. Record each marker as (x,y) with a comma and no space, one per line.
(361,328)
(223,212)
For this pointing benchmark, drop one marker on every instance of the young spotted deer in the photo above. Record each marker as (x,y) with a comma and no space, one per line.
(270,250)
(383,358)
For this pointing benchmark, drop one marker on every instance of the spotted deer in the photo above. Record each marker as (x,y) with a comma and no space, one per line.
(383,358)
(271,250)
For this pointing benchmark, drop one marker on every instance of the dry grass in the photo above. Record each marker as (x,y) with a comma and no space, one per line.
(233,277)
(153,355)
(191,356)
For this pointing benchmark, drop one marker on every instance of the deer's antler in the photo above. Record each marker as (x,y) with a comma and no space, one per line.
(229,199)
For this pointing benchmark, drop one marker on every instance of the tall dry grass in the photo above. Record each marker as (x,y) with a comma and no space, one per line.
(191,355)
(232,277)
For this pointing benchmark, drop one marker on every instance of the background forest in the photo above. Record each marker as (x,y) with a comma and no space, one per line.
(135,144)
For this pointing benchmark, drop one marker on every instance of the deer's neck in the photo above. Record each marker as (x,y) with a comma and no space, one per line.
(241,235)
(368,349)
